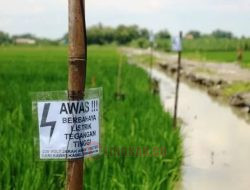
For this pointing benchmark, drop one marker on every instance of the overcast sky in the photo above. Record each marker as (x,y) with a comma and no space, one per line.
(48,18)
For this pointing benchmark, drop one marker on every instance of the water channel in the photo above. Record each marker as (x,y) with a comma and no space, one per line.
(216,140)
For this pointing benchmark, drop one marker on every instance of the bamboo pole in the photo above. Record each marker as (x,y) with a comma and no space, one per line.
(76,78)
(151,61)
(177,85)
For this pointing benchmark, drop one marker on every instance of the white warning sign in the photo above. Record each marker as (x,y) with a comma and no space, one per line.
(68,129)
(151,37)
(176,44)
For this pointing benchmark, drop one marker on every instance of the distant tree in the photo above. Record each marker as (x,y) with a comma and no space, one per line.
(144,33)
(125,34)
(194,33)
(222,34)
(27,35)
(99,34)
(163,34)
(4,38)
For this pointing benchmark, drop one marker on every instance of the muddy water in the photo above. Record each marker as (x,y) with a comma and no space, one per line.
(216,141)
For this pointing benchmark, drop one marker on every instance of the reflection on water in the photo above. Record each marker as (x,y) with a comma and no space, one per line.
(216,141)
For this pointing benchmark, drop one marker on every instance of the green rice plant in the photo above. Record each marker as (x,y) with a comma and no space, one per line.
(139,121)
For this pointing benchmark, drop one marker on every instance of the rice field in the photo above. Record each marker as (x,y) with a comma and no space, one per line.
(137,122)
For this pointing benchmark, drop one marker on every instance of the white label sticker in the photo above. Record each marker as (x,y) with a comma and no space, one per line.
(176,44)
(151,37)
(68,129)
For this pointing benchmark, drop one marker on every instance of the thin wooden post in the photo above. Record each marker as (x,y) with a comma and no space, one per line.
(151,60)
(76,78)
(118,87)
(118,93)
(177,85)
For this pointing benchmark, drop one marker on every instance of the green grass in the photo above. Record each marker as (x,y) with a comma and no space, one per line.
(146,59)
(219,56)
(207,43)
(138,121)
(237,87)
(215,44)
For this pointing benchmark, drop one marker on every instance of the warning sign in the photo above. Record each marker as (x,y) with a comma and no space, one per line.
(68,129)
(151,37)
(176,44)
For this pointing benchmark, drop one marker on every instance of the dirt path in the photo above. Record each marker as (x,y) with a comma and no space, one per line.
(213,77)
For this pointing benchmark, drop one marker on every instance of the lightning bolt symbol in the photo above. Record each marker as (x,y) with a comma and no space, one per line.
(44,123)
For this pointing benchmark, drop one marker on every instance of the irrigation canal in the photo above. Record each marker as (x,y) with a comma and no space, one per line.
(216,141)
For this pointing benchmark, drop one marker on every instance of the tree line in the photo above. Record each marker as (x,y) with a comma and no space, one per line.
(121,35)
(6,39)
(136,36)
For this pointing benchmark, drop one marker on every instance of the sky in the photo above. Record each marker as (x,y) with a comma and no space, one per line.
(49,18)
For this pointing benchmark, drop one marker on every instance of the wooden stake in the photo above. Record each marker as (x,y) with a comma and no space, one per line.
(118,87)
(177,85)
(119,95)
(151,61)
(76,78)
